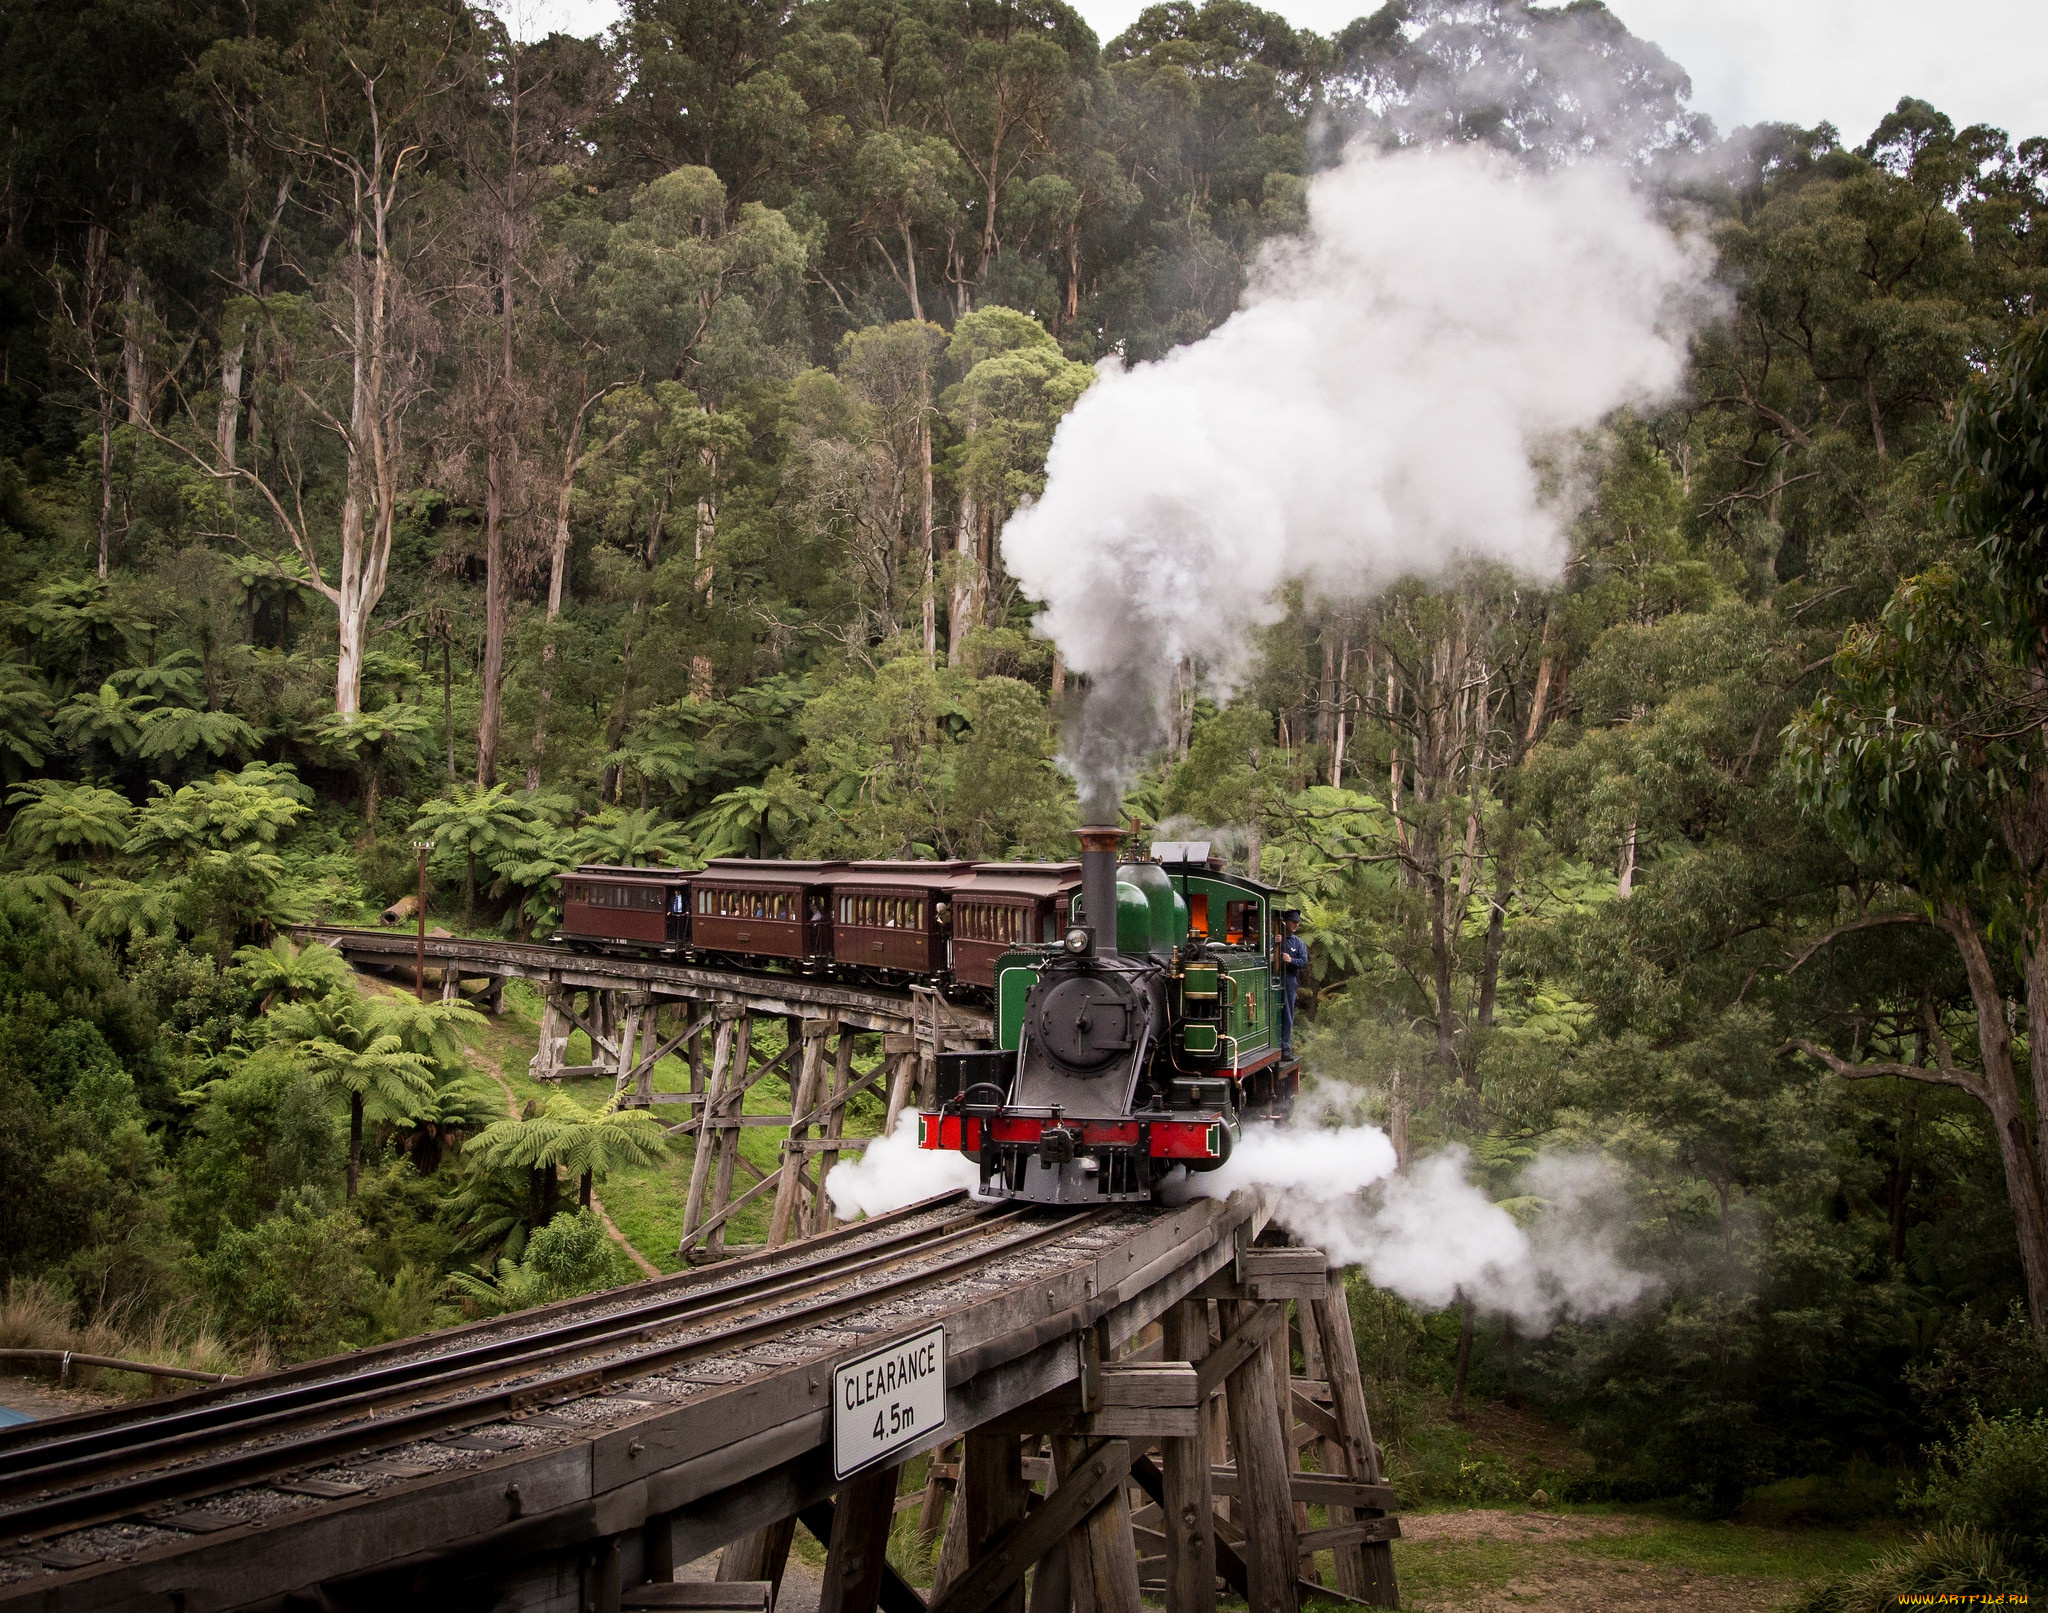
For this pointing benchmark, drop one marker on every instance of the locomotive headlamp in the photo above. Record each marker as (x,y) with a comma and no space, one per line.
(1078,941)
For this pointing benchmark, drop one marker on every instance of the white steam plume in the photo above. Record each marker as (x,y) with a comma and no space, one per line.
(893,1171)
(1428,1233)
(1369,412)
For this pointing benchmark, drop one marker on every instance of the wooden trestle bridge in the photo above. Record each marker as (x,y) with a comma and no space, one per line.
(1122,1411)
(620,1003)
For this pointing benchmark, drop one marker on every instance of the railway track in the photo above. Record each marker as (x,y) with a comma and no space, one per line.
(216,1457)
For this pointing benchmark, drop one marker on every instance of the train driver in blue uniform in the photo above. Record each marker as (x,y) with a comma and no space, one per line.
(1293,962)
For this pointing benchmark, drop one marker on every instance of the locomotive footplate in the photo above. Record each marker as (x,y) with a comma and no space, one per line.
(1055,1159)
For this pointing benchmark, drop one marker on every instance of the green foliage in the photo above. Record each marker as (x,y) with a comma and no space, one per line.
(568,1256)
(563,1136)
(1953,1563)
(296,1281)
(1993,1478)
(260,1135)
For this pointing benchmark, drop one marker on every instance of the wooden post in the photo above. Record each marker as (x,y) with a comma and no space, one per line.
(1102,1556)
(731,1104)
(996,1497)
(938,1482)
(714,1093)
(902,1051)
(951,1561)
(806,1091)
(1335,1458)
(696,1056)
(629,1037)
(835,1124)
(546,1064)
(1280,1354)
(1188,1509)
(606,1575)
(1216,1416)
(1332,1316)
(763,1554)
(1264,1504)
(658,1549)
(1052,1579)
(860,1543)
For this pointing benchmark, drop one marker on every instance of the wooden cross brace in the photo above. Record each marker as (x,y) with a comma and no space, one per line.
(1092,1483)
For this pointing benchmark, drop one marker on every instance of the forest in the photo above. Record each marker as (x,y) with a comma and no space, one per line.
(598,450)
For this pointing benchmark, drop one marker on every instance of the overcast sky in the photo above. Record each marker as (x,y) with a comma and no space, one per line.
(1793,61)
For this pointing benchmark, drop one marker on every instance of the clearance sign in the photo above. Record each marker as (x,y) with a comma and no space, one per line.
(887,1399)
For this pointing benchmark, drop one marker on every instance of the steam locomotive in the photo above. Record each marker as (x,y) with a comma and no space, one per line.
(1135,1000)
(1131,1049)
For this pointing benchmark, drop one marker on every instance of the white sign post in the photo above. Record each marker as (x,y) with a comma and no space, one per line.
(887,1399)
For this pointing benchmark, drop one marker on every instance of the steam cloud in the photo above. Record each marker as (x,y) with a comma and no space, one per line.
(1428,1233)
(894,1171)
(1370,412)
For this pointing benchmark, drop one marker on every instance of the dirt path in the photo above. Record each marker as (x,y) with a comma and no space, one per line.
(619,1238)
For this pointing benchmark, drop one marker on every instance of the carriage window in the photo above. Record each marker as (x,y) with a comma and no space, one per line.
(1198,912)
(999,922)
(1241,923)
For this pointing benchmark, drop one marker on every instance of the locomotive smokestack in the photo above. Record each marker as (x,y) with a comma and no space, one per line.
(1099,843)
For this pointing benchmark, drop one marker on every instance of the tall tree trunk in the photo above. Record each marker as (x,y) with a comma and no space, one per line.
(574,458)
(1625,876)
(448,696)
(1462,1370)
(234,340)
(925,535)
(910,274)
(106,481)
(355,1142)
(962,609)
(134,353)
(498,469)
(489,712)
(1326,691)
(707,536)
(1443,958)
(1340,734)
(583,1190)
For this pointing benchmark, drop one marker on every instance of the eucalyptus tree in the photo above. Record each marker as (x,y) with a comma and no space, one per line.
(1931,761)
(349,362)
(1015,386)
(705,297)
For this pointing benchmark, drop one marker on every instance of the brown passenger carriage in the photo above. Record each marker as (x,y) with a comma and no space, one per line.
(646,907)
(763,909)
(894,917)
(1007,905)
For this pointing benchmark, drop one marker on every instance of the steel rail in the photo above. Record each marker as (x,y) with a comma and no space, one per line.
(230,1418)
(704,1281)
(125,1494)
